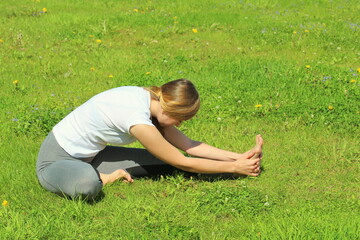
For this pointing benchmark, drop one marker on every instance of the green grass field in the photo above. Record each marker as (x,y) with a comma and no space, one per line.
(289,70)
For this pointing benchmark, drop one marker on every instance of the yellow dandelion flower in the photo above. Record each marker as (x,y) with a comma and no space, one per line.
(92,69)
(306,31)
(44,10)
(15,82)
(294,32)
(194,30)
(258,105)
(331,107)
(308,66)
(110,76)
(5,203)
(147,73)
(352,81)
(1,41)
(175,18)
(358,70)
(136,10)
(98,41)
(91,36)
(176,22)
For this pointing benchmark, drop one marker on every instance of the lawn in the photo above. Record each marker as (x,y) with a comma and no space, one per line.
(289,70)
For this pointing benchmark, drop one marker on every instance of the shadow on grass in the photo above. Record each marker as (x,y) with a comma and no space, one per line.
(85,199)
(200,176)
(171,172)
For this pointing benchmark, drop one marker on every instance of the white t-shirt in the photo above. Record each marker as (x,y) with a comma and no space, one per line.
(104,119)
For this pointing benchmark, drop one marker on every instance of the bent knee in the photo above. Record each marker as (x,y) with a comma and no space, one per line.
(88,188)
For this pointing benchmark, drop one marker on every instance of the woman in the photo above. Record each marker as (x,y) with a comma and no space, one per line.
(76,159)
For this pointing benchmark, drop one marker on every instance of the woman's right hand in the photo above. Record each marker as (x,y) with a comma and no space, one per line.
(246,165)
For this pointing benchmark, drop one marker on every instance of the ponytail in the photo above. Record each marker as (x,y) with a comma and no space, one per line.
(179,98)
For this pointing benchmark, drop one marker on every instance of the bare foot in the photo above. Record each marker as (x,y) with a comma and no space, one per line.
(114,176)
(258,154)
(258,147)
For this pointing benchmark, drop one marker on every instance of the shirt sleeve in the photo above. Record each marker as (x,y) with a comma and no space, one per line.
(136,119)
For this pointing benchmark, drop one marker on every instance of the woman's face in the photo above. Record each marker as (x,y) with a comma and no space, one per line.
(166,121)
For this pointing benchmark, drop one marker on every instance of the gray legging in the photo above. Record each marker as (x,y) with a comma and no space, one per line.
(63,174)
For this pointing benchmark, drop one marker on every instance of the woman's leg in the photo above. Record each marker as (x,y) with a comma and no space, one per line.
(60,173)
(72,178)
(137,162)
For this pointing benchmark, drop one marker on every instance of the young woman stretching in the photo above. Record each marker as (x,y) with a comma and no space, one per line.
(76,159)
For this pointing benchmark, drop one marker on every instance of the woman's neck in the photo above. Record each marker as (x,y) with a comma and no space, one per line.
(155,108)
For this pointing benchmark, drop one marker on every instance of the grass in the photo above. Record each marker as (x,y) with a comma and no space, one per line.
(286,69)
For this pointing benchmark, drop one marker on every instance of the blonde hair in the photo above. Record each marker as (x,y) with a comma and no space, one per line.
(179,98)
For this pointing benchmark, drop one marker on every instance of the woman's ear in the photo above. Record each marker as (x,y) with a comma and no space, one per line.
(162,112)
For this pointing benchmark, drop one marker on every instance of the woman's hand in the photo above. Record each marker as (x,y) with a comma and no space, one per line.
(246,165)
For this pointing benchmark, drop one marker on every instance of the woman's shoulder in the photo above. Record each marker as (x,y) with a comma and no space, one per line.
(123,95)
(122,91)
(124,88)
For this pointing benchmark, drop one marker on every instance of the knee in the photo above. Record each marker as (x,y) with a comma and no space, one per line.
(88,188)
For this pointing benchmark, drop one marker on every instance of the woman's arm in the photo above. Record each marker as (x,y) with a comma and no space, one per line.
(198,149)
(155,143)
